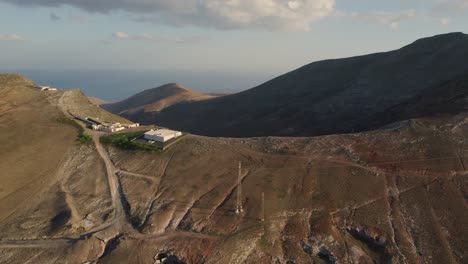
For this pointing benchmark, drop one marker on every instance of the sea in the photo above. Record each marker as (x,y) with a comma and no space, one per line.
(113,86)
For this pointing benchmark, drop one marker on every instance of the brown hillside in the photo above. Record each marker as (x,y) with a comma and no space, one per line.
(79,104)
(154,100)
(384,197)
(51,185)
(96,101)
(336,96)
(388,196)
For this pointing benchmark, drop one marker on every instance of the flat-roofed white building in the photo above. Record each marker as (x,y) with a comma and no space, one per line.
(131,125)
(162,135)
(46,88)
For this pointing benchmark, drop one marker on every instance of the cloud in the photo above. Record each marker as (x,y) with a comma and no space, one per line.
(450,7)
(80,19)
(121,35)
(11,37)
(54,17)
(445,21)
(389,19)
(152,38)
(294,15)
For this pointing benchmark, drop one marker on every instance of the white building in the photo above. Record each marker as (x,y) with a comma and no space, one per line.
(112,128)
(108,128)
(162,135)
(46,88)
(131,125)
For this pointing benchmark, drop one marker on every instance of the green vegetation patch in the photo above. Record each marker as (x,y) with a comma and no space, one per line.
(81,230)
(85,139)
(62,119)
(265,245)
(127,141)
(281,193)
(82,137)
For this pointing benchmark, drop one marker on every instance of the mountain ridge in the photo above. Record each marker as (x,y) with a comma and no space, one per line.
(334,96)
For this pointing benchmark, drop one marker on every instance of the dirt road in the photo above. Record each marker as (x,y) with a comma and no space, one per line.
(48,243)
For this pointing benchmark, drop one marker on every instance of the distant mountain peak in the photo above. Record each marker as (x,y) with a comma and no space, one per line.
(156,99)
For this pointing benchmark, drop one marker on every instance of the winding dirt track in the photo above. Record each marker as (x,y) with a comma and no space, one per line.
(118,224)
(46,243)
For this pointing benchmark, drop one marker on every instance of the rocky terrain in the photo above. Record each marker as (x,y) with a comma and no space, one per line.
(334,96)
(393,195)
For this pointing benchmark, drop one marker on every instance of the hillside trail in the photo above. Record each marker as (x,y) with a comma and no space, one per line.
(111,170)
(110,229)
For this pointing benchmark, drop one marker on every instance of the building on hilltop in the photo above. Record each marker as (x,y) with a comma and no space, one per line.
(46,88)
(162,135)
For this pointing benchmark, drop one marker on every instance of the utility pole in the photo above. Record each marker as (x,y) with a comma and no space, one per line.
(263,207)
(239,191)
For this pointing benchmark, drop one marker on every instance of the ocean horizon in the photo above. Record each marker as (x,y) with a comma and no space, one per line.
(115,85)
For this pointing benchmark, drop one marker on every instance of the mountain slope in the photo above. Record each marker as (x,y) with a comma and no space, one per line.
(336,96)
(388,196)
(154,100)
(51,184)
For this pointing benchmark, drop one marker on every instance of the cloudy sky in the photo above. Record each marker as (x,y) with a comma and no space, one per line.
(205,44)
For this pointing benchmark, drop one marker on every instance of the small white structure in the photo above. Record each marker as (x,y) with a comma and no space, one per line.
(131,125)
(161,135)
(111,128)
(46,88)
(108,128)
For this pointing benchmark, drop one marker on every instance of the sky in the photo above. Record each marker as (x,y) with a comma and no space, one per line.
(114,48)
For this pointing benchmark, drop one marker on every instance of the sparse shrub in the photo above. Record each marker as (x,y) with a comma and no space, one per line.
(62,119)
(136,221)
(85,139)
(82,137)
(186,225)
(268,178)
(106,216)
(126,141)
(281,193)
(264,243)
(206,178)
(215,193)
(81,230)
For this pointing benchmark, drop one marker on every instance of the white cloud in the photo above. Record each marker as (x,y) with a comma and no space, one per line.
(392,20)
(395,20)
(11,37)
(450,7)
(121,35)
(445,21)
(395,25)
(152,38)
(222,14)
